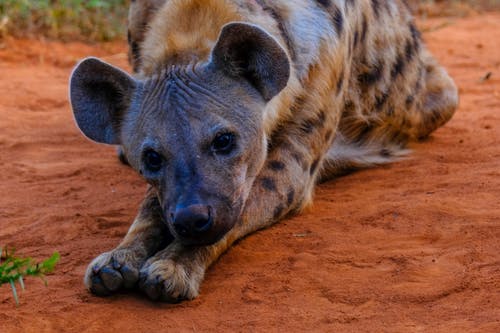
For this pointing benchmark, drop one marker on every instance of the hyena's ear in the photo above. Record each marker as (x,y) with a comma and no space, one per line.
(100,94)
(247,51)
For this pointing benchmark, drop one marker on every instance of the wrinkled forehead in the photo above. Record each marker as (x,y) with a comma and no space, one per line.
(192,100)
(182,91)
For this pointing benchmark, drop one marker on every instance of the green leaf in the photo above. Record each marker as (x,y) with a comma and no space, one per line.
(13,269)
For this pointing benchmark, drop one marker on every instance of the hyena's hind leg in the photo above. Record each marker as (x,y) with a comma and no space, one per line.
(438,100)
(365,139)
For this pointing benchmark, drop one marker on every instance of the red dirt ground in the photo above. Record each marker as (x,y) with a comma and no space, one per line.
(411,247)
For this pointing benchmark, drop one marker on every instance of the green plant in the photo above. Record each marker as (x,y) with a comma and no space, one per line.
(14,269)
(65,19)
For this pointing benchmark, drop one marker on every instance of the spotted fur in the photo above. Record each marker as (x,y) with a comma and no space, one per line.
(361,86)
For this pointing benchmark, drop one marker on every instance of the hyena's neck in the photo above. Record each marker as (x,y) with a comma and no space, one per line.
(184,31)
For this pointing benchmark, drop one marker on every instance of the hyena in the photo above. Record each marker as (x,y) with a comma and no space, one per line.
(238,108)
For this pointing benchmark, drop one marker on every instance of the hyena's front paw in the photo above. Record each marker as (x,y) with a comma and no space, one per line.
(171,278)
(113,270)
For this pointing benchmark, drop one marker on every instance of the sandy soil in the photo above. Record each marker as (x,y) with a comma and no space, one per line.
(411,247)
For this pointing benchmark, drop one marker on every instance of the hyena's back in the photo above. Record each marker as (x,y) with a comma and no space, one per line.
(363,60)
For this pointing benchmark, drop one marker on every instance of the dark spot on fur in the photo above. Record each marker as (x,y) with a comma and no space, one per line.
(399,137)
(390,111)
(298,104)
(356,38)
(324,3)
(268,183)
(299,158)
(381,100)
(307,126)
(414,32)
(290,196)
(281,26)
(404,122)
(318,122)
(415,35)
(328,135)
(438,115)
(349,107)
(365,132)
(278,211)
(371,77)
(338,20)
(385,152)
(321,117)
(409,101)
(340,83)
(376,7)
(418,84)
(335,12)
(135,55)
(409,50)
(432,116)
(276,165)
(398,67)
(314,166)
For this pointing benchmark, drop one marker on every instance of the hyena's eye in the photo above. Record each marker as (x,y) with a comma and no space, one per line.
(152,160)
(223,143)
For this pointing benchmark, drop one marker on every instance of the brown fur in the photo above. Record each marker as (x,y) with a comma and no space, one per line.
(361,86)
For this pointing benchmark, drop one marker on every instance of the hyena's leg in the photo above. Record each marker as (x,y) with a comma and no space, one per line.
(439,98)
(284,185)
(120,267)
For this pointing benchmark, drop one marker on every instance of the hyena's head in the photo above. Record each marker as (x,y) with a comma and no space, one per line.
(195,132)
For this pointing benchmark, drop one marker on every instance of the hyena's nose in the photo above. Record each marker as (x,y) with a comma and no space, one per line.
(192,220)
